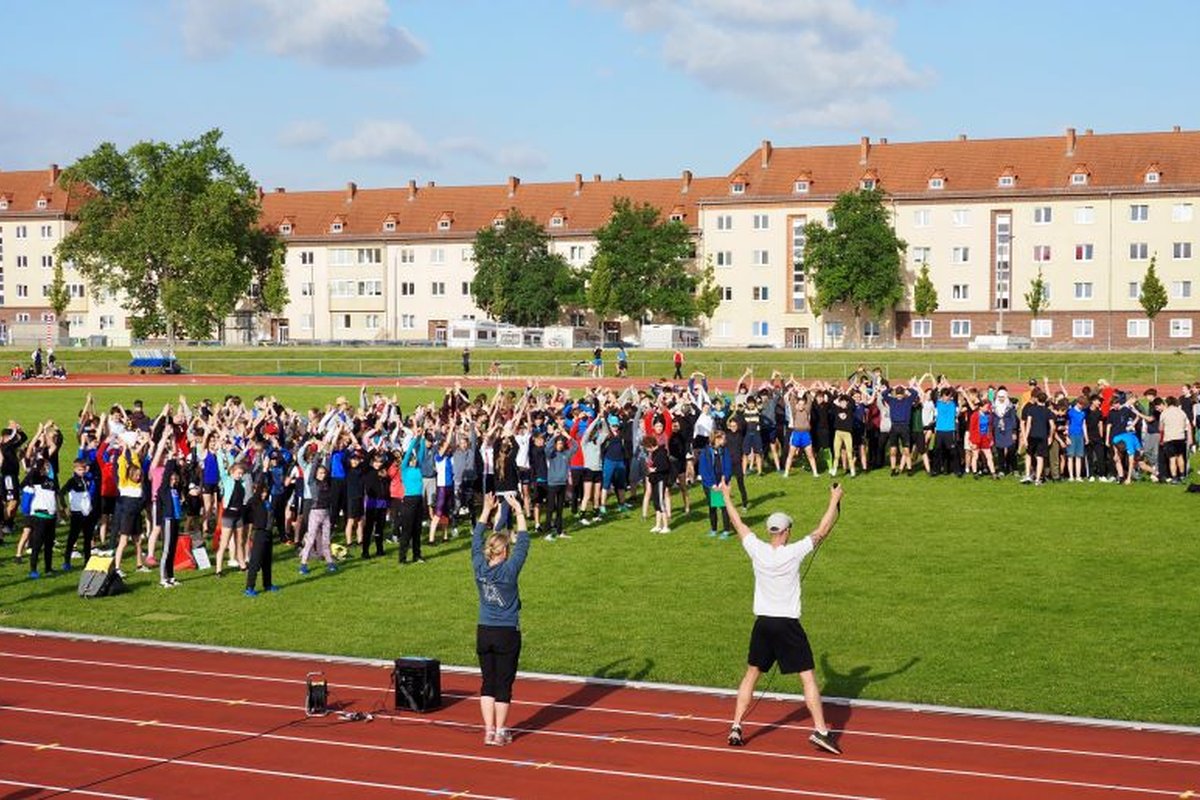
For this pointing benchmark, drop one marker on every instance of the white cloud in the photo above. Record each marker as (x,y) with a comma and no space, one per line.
(303,133)
(335,33)
(822,62)
(396,141)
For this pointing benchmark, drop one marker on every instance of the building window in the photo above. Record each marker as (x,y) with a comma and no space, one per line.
(22,261)
(407,288)
(960,217)
(408,321)
(1041,253)
(960,255)
(676,216)
(336,227)
(47,232)
(1085,215)
(1083,290)
(761,222)
(1043,215)
(466,288)
(556,222)
(1139,251)
(724,258)
(107,322)
(1137,328)
(737,187)
(762,293)
(370,288)
(922,328)
(341,257)
(1041,328)
(960,328)
(47,262)
(724,329)
(922,255)
(42,203)
(724,222)
(389,226)
(22,290)
(438,289)
(800,187)
(834,331)
(761,329)
(408,255)
(1084,252)
(1181,212)
(306,322)
(799,278)
(960,291)
(1082,328)
(369,255)
(76,290)
(761,258)
(443,224)
(1135,290)
(1079,178)
(286,229)
(306,257)
(1181,290)
(726,292)
(372,321)
(23,317)
(437,255)
(307,289)
(1139,212)
(468,254)
(922,217)
(937,183)
(867,184)
(1181,329)
(1152,177)
(22,232)
(578,252)
(1006,182)
(346,320)
(1181,251)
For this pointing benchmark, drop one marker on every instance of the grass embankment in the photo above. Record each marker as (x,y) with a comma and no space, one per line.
(1076,599)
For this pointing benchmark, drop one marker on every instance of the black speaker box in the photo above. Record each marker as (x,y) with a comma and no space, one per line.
(418,684)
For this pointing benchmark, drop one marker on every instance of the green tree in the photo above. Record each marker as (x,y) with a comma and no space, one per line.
(173,230)
(925,298)
(1037,299)
(1154,296)
(857,261)
(517,279)
(643,266)
(60,295)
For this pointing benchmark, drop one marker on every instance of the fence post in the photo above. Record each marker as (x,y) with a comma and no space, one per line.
(974,371)
(320,369)
(1156,374)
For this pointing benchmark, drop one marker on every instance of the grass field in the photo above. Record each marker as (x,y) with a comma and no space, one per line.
(1077,599)
(1165,367)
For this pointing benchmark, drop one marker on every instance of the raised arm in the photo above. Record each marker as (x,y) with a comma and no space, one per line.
(834,509)
(735,519)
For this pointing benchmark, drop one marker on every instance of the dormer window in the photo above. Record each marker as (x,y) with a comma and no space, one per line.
(498,223)
(937,183)
(800,186)
(1152,177)
(337,226)
(3,203)
(1153,173)
(737,187)
(676,216)
(389,226)
(1006,182)
(42,202)
(556,221)
(445,221)
(285,228)
(1079,177)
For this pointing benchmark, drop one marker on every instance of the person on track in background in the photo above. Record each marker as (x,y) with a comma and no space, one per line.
(677,359)
(497,561)
(778,634)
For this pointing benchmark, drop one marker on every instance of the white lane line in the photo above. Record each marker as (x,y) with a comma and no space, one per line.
(575,680)
(411,751)
(256,771)
(631,741)
(650,714)
(69,790)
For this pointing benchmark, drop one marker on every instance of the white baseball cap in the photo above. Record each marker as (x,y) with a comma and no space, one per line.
(778,521)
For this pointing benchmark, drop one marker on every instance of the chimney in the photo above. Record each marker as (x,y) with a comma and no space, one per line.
(686,182)
(864,149)
(351,190)
(280,190)
(412,190)
(764,152)
(962,137)
(578,182)
(1070,141)
(596,178)
(883,140)
(54,173)
(1175,129)
(513,183)
(1087,131)
(431,184)
(260,194)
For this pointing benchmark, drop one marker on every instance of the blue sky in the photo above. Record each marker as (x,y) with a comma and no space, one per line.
(313,93)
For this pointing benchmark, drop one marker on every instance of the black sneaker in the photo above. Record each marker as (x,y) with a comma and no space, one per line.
(825,742)
(735,737)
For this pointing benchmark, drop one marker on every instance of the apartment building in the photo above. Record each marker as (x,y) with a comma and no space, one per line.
(1088,210)
(35,215)
(397,264)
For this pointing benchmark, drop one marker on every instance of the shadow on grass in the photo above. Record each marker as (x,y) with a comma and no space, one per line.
(589,693)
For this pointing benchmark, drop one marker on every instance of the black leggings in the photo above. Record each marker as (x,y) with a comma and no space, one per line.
(740,477)
(84,524)
(260,558)
(556,498)
(373,522)
(166,565)
(498,649)
(41,537)
(713,494)
(408,527)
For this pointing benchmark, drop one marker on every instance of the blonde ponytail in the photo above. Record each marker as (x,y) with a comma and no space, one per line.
(497,545)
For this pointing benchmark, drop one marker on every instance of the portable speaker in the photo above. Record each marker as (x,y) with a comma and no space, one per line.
(418,684)
(316,700)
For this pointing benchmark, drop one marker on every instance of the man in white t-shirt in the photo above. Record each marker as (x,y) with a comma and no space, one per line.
(778,634)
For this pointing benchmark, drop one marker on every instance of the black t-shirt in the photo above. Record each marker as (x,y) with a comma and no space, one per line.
(1039,420)
(843,418)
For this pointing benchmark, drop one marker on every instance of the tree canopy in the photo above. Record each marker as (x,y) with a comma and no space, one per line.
(856,262)
(925,297)
(517,279)
(1037,299)
(173,231)
(643,266)
(1153,297)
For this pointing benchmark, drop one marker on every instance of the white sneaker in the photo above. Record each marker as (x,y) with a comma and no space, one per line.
(664,530)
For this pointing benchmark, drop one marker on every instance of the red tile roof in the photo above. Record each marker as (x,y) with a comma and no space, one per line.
(23,188)
(1043,163)
(583,206)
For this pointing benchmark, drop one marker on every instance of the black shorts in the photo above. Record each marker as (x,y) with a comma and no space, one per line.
(539,493)
(780,639)
(524,476)
(899,437)
(108,505)
(209,488)
(590,475)
(1037,447)
(499,649)
(1175,449)
(354,507)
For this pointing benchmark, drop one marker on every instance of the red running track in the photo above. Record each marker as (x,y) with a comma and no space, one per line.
(125,720)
